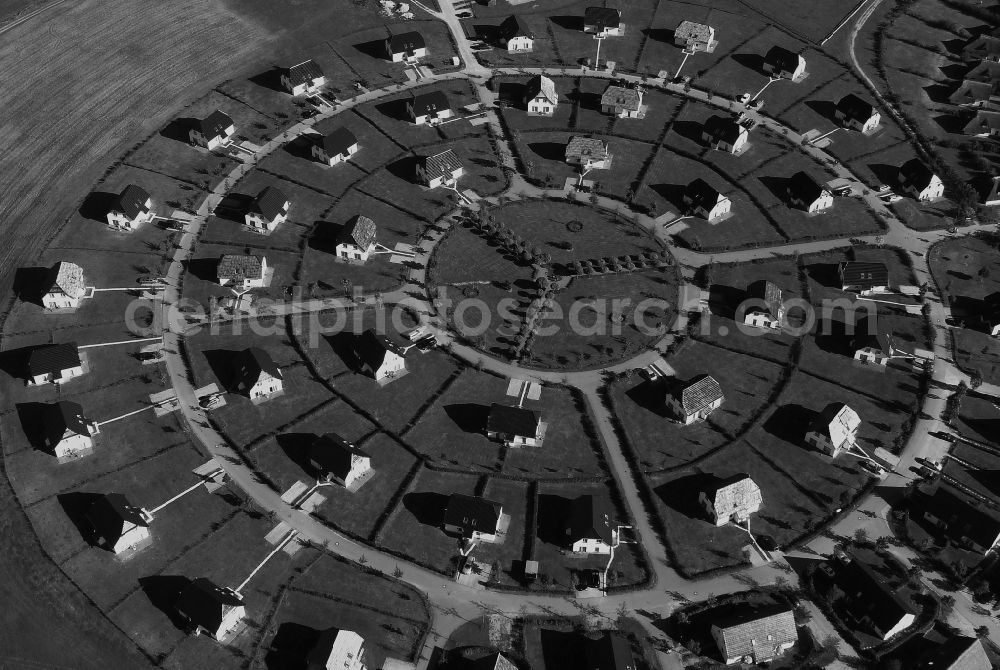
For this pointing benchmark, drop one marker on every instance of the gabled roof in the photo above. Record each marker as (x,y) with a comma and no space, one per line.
(53,358)
(543,86)
(514,26)
(206,604)
(590,518)
(838,422)
(622,97)
(331,454)
(444,164)
(699,393)
(131,201)
(66,277)
(855,108)
(602,17)
(736,490)
(428,103)
(702,194)
(215,124)
(238,267)
(360,232)
(304,73)
(338,142)
(801,185)
(782,58)
(65,416)
(406,42)
(495,661)
(915,173)
(962,517)
(249,363)
(724,129)
(372,347)
(587,147)
(991,192)
(270,202)
(109,514)
(611,651)
(982,46)
(868,594)
(472,513)
(956,653)
(984,122)
(335,649)
(864,274)
(750,629)
(512,420)
(771,295)
(689,30)
(971,91)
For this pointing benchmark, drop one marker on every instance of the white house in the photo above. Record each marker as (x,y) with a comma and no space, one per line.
(781,63)
(805,193)
(623,101)
(540,97)
(337,649)
(442,169)
(119,527)
(603,22)
(67,431)
(760,634)
(267,211)
(589,526)
(64,287)
(358,242)
(54,364)
(834,429)
(515,426)
(242,272)
(335,147)
(256,375)
(695,400)
(335,460)
(919,182)
(857,114)
(213,610)
(590,153)
(733,499)
(693,37)
(515,34)
(405,47)
(472,517)
(863,277)
(303,79)
(770,312)
(702,200)
(132,208)
(215,130)
(430,108)
(380,358)
(725,134)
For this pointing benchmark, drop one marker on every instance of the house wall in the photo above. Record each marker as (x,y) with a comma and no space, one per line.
(350,252)
(59,301)
(391,365)
(520,43)
(72,445)
(131,539)
(540,106)
(591,545)
(63,376)
(761,320)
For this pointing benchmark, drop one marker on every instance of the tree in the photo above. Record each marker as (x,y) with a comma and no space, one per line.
(861,536)
(882,543)
(982,631)
(621,615)
(947,604)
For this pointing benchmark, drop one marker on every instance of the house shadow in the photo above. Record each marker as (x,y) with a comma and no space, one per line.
(29,284)
(955,71)
(553,511)
(778,186)
(372,49)
(512,93)
(97,204)
(825,274)
(986,428)
(802,565)
(833,335)
(650,395)
(564,649)
(326,235)
(939,93)
(550,151)
(301,146)
(296,447)
(405,168)
(469,417)
(588,100)
(33,418)
(790,422)
(233,207)
(568,22)
(825,108)
(344,345)
(76,505)
(724,300)
(14,362)
(682,494)
(269,79)
(290,647)
(886,174)
(753,62)
(690,130)
(953,123)
(163,592)
(487,32)
(659,34)
(179,130)
(394,109)
(221,362)
(989,479)
(673,194)
(427,506)
(203,268)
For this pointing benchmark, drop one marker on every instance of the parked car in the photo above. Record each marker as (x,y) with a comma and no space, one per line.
(872,468)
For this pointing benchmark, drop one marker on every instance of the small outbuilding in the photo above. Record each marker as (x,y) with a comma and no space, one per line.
(214,131)
(132,208)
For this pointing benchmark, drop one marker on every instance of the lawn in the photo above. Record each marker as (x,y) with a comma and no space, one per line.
(389,115)
(511,101)
(978,419)
(465,256)
(513,495)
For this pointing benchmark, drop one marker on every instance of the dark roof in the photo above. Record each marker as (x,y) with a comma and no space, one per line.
(868,594)
(338,142)
(702,194)
(590,518)
(782,58)
(512,420)
(53,358)
(406,42)
(444,164)
(215,124)
(769,293)
(132,201)
(541,85)
(205,604)
(360,231)
(955,653)
(962,517)
(723,128)
(858,273)
(471,513)
(270,202)
(855,108)
(249,363)
(611,651)
(915,173)
(802,186)
(331,454)
(304,73)
(65,416)
(514,26)
(371,348)
(602,17)
(109,514)
(431,102)
(985,121)
(234,266)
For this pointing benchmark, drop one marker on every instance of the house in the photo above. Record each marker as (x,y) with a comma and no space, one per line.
(54,364)
(980,87)
(215,130)
(494,661)
(755,635)
(67,431)
(955,653)
(267,211)
(855,113)
(472,517)
(515,34)
(337,650)
(589,527)
(590,153)
(611,651)
(985,47)
(702,200)
(965,523)
(405,47)
(985,124)
(256,375)
(515,426)
(884,347)
(118,526)
(725,134)
(805,193)
(695,400)
(213,610)
(380,358)
(243,272)
(64,288)
(867,602)
(864,278)
(834,429)
(781,63)
(540,97)
(919,182)
(335,460)
(770,314)
(441,169)
(991,192)
(358,241)
(603,22)
(693,37)
(732,499)
(430,108)
(335,147)
(132,208)
(623,101)
(303,79)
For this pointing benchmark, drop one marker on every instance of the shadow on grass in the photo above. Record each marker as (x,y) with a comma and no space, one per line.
(469,417)
(221,362)
(791,422)
(427,506)
(163,592)
(296,446)
(76,505)
(723,300)
(34,419)
(97,205)
(179,130)
(681,494)
(650,395)
(553,513)
(270,79)
(30,284)
(825,108)
(204,268)
(291,646)
(405,168)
